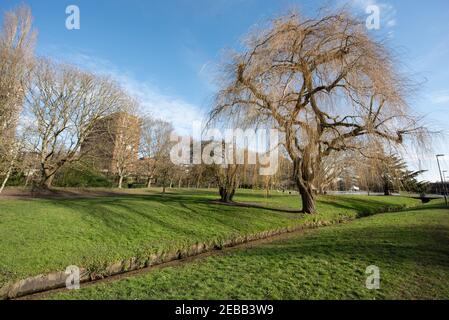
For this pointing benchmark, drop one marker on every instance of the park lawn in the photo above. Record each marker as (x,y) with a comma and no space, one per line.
(411,248)
(38,236)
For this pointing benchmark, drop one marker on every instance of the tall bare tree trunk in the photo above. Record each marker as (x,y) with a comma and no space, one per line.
(8,174)
(305,188)
(46,180)
(5,180)
(307,198)
(387,189)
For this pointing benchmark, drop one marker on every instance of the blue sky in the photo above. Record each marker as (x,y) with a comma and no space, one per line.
(166,52)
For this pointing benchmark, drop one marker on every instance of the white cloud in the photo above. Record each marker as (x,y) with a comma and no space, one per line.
(391,23)
(441,97)
(153,100)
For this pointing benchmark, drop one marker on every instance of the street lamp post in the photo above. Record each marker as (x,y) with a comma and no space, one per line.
(444,182)
(441,176)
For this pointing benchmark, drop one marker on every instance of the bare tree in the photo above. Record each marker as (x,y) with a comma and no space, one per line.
(155,147)
(228,180)
(17,39)
(332,167)
(64,103)
(127,135)
(324,83)
(121,138)
(165,170)
(227,171)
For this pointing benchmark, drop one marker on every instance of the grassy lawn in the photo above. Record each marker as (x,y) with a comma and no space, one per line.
(44,235)
(410,248)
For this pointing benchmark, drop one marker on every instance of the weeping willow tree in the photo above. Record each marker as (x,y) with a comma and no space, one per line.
(325,84)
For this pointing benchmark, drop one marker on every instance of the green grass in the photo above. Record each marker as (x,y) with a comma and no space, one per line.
(410,248)
(43,235)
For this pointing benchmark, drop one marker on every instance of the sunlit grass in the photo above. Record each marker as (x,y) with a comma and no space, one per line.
(44,235)
(410,248)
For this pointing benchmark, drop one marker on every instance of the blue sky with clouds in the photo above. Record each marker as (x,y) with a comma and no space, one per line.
(166,52)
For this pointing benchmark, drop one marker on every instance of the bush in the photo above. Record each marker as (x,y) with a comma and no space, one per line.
(78,176)
(17,179)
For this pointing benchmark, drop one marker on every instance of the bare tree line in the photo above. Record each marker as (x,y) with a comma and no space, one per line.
(59,107)
(332,91)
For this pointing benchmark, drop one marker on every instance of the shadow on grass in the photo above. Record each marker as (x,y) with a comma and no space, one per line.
(380,245)
(167,213)
(253,205)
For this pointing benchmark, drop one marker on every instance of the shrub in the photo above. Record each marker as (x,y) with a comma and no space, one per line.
(79,176)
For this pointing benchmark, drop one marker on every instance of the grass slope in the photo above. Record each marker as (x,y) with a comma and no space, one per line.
(43,235)
(410,248)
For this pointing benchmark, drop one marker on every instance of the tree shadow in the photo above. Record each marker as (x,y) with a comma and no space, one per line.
(382,245)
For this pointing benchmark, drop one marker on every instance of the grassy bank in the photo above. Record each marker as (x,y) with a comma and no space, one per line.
(410,248)
(44,235)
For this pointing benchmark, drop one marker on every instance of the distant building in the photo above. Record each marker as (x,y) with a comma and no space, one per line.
(114,139)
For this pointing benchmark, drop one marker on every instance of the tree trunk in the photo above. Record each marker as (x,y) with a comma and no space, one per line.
(304,186)
(120,182)
(8,173)
(308,199)
(149,183)
(27,181)
(198,181)
(47,177)
(226,194)
(387,189)
(5,180)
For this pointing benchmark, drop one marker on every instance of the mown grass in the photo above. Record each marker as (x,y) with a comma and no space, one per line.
(411,249)
(43,235)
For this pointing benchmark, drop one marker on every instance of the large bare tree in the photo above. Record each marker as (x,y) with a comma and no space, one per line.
(17,39)
(324,83)
(63,105)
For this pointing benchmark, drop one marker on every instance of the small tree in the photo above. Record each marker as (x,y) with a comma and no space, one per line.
(227,171)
